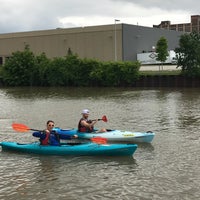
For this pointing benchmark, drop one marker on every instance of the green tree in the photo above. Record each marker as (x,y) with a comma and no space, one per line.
(42,66)
(20,68)
(56,72)
(188,54)
(161,50)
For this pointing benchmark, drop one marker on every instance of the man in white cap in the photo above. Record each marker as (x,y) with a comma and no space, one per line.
(86,125)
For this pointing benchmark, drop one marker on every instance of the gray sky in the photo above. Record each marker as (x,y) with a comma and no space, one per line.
(29,15)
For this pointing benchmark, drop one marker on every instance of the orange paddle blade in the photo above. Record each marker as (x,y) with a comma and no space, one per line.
(20,127)
(104,118)
(99,140)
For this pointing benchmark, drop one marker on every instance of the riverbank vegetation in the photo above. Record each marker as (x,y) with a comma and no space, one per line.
(23,68)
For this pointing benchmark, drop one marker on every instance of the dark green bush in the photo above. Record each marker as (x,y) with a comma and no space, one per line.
(116,73)
(26,69)
(20,69)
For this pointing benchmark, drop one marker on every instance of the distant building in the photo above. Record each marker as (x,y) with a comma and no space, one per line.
(120,42)
(194,25)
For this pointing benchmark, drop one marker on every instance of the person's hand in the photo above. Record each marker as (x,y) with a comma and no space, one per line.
(47,131)
(75,136)
(95,121)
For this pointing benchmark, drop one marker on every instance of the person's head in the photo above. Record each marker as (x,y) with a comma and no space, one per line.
(85,113)
(50,124)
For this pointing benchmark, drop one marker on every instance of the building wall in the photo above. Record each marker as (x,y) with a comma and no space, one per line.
(138,39)
(96,42)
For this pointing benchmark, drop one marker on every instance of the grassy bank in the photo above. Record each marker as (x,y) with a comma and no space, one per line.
(161,72)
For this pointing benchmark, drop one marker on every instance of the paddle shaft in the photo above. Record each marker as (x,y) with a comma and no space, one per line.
(97,119)
(35,130)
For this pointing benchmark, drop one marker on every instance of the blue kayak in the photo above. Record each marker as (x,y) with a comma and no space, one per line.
(77,149)
(117,136)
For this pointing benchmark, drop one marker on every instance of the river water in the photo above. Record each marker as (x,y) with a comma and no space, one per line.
(168,168)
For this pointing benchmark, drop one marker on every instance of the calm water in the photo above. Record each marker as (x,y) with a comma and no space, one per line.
(169,168)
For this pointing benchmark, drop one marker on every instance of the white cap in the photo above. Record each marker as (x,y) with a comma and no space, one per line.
(85,111)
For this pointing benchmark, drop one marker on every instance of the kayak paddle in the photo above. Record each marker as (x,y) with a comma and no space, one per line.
(99,140)
(22,128)
(104,118)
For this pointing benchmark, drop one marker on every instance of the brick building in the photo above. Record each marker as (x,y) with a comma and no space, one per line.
(194,25)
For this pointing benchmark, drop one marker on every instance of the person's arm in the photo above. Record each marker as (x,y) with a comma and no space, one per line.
(40,135)
(67,137)
(89,125)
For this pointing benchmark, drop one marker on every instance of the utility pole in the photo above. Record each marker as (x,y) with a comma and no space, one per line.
(116,20)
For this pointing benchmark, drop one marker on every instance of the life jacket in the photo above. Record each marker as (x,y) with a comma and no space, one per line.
(82,128)
(45,141)
(54,139)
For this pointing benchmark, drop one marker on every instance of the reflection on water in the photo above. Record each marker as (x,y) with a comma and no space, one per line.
(166,169)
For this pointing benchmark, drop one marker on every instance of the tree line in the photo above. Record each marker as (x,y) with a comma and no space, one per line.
(24,68)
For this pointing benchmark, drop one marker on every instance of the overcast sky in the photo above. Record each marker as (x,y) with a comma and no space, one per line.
(29,15)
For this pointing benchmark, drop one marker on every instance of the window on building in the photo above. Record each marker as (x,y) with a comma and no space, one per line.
(187,28)
(1,60)
(180,27)
(173,27)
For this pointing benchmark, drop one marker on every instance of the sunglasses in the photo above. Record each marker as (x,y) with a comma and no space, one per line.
(51,125)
